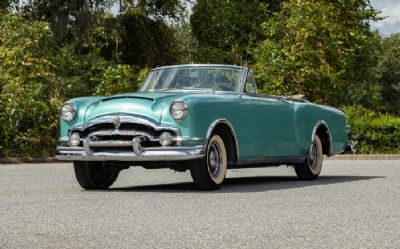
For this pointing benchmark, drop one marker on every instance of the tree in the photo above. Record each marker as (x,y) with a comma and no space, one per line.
(5,5)
(29,87)
(388,71)
(227,31)
(320,48)
(156,9)
(69,20)
(138,35)
(146,42)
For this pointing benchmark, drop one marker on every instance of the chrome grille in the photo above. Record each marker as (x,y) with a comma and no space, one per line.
(128,133)
(102,135)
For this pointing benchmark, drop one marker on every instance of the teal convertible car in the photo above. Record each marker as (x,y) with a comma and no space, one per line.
(202,118)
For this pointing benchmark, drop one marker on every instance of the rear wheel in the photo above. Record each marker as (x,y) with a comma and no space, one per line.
(209,173)
(311,168)
(95,175)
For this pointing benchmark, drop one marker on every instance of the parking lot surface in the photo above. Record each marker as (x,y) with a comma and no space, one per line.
(354,204)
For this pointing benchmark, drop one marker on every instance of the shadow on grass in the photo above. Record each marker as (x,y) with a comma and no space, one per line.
(248,184)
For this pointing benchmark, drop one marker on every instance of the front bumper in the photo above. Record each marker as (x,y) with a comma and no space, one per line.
(147,154)
(351,147)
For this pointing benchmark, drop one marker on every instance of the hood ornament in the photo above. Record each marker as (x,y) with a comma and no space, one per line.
(116,121)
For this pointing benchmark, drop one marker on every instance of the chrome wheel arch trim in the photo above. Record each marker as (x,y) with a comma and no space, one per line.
(325,125)
(211,129)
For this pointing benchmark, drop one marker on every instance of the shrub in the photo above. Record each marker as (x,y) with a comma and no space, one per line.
(120,78)
(379,133)
(29,88)
(79,74)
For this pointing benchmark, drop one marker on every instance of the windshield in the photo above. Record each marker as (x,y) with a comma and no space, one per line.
(194,78)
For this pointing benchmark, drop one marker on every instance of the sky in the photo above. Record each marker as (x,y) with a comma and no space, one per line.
(391,10)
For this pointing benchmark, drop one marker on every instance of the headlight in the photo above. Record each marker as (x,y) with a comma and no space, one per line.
(179,110)
(68,111)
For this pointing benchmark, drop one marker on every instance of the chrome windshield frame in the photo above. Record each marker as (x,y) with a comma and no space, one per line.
(239,88)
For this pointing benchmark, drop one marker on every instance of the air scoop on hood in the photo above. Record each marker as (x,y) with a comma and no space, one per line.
(152,96)
(141,104)
(129,105)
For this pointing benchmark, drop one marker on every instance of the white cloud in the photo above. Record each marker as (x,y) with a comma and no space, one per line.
(391,10)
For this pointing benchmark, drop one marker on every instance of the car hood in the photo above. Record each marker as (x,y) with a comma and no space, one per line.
(145,104)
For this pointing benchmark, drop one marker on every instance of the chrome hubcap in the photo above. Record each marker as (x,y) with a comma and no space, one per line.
(214,160)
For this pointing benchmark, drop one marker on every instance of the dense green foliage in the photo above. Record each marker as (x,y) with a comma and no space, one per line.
(146,42)
(388,73)
(227,31)
(69,20)
(51,51)
(310,48)
(29,86)
(121,78)
(138,35)
(379,133)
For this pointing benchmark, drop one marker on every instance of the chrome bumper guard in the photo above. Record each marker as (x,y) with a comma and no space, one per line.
(351,147)
(145,154)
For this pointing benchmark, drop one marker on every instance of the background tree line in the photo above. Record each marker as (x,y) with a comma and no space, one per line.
(51,51)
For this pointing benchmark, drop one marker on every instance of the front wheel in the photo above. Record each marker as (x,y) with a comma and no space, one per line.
(209,173)
(312,166)
(95,175)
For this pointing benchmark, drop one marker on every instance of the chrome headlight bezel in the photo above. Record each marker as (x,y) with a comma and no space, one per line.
(179,109)
(68,111)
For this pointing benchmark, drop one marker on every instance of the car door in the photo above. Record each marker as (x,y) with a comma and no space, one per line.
(274,133)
